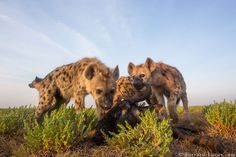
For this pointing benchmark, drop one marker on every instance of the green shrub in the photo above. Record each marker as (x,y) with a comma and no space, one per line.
(149,138)
(12,119)
(221,115)
(60,131)
(87,119)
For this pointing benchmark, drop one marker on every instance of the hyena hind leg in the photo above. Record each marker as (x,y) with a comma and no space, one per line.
(46,103)
(184,99)
(172,107)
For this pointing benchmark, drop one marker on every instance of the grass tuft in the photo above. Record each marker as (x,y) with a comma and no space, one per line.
(222,116)
(149,138)
(60,131)
(12,119)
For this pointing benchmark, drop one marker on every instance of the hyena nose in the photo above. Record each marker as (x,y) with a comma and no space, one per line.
(107,106)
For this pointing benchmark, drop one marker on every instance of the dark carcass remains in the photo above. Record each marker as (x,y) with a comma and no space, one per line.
(129,111)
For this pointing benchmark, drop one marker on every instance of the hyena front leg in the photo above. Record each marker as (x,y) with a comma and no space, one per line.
(79,101)
(152,100)
(159,97)
(184,99)
(160,107)
(172,107)
(153,103)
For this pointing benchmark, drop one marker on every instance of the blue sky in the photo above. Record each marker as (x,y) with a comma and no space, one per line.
(198,37)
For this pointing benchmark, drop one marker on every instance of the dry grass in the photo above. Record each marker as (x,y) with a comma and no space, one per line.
(192,109)
(90,150)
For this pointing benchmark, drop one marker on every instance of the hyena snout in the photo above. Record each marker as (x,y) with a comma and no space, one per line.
(105,103)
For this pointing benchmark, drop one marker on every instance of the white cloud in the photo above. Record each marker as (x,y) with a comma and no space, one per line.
(6,18)
(25,38)
(79,43)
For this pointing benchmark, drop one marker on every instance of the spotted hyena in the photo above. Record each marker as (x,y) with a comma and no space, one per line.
(165,80)
(130,88)
(76,80)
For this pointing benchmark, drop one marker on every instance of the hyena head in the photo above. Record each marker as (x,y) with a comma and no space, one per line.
(100,82)
(142,70)
(35,83)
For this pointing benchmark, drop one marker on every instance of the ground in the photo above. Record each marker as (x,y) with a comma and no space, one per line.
(10,143)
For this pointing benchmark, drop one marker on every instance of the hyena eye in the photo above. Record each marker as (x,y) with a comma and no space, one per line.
(142,75)
(98,91)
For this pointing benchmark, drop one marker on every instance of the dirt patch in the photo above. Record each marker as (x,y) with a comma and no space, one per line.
(9,143)
(91,150)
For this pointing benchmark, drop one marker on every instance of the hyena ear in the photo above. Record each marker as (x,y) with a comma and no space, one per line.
(115,72)
(130,68)
(38,79)
(150,64)
(90,71)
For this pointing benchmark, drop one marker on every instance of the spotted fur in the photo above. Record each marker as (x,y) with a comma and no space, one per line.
(76,80)
(128,87)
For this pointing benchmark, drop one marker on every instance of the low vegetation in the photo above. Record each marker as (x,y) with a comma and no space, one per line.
(222,116)
(12,119)
(149,138)
(64,129)
(60,131)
